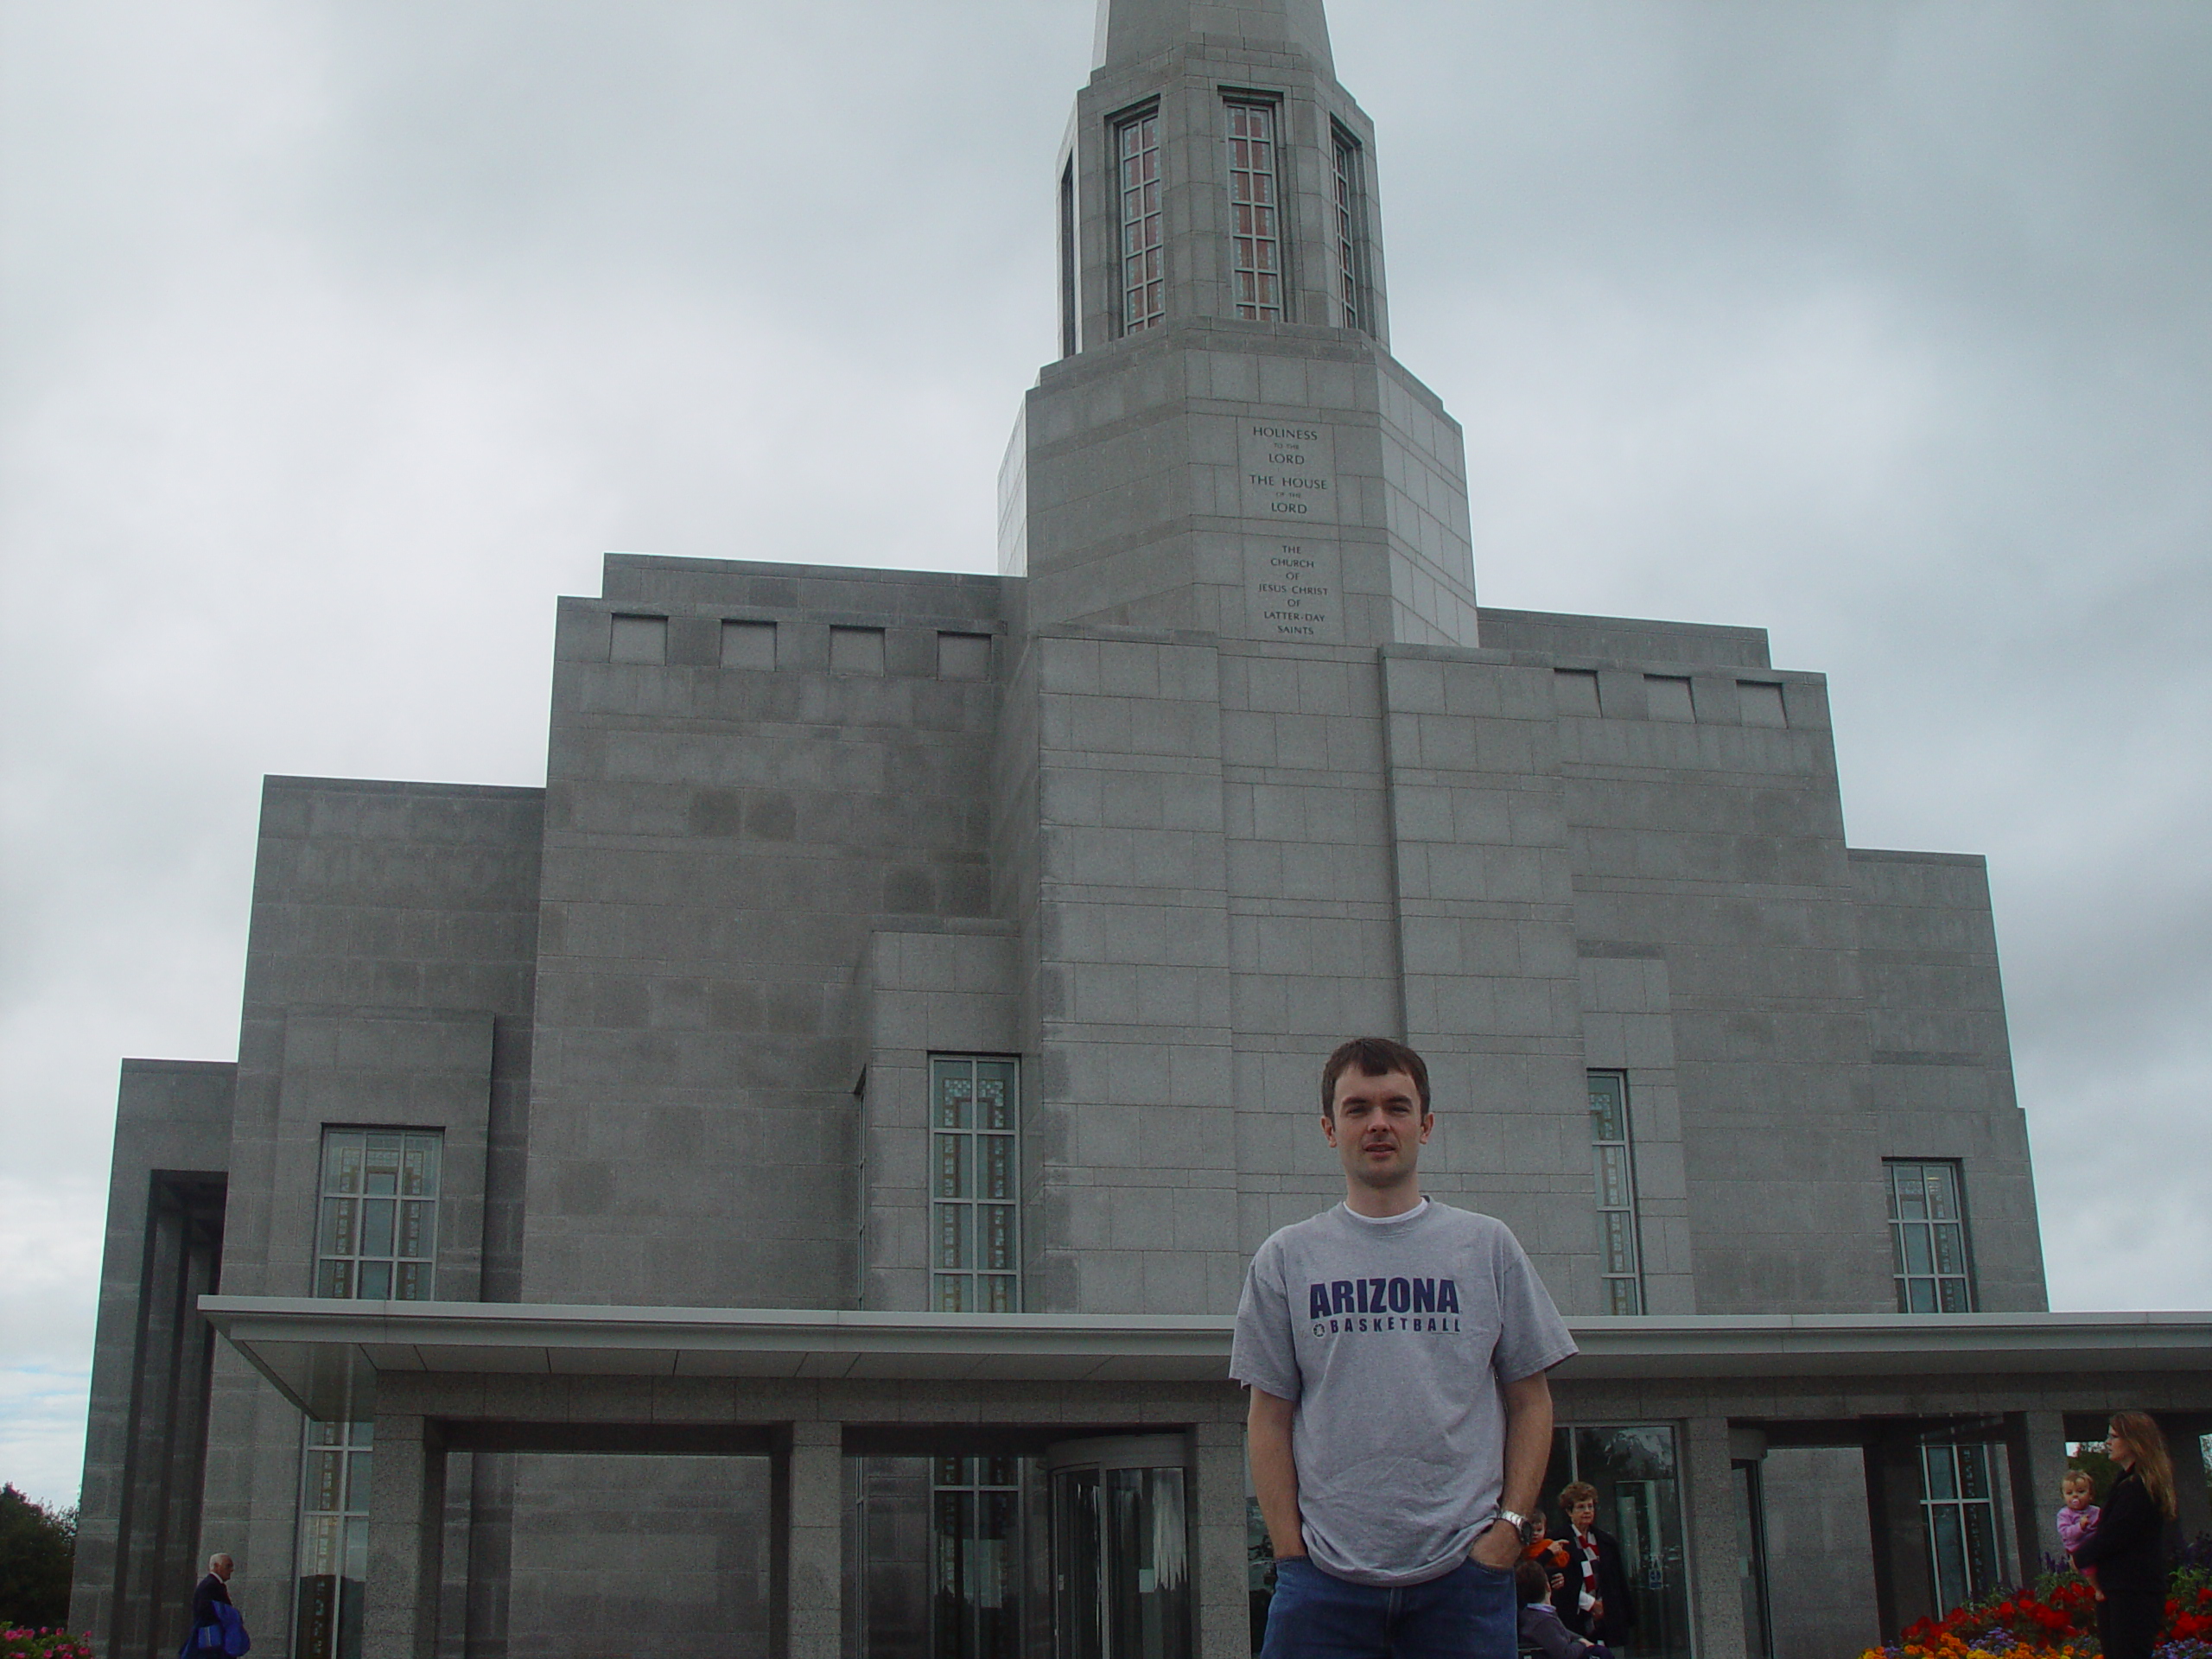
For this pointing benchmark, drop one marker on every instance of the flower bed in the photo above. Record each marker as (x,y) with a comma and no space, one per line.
(2056,1617)
(44,1644)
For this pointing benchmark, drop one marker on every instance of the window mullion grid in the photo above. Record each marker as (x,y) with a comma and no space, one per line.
(975,1520)
(975,1214)
(1144,288)
(1256,215)
(1959,1506)
(377,1230)
(1349,239)
(1928,1238)
(333,1546)
(952,1219)
(1620,1262)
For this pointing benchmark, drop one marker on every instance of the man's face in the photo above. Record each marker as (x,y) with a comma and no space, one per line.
(1377,1127)
(221,1568)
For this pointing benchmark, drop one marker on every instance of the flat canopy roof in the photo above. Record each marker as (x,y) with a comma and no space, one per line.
(326,1355)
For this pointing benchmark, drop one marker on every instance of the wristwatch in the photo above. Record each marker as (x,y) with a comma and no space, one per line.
(1520,1524)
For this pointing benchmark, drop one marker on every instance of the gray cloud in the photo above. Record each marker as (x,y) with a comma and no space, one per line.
(338,338)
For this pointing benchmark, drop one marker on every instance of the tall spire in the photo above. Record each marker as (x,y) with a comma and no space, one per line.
(1130,31)
(1225,446)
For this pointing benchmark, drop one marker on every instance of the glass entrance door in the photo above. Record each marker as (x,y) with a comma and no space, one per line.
(1121,1557)
(1633,1468)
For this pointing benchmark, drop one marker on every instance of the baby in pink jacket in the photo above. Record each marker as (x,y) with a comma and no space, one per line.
(2078,1517)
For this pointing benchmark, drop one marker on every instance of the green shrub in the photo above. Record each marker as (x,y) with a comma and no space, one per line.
(38,1547)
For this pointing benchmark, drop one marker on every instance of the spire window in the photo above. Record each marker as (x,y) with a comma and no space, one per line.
(1068,340)
(1255,201)
(1351,232)
(1144,284)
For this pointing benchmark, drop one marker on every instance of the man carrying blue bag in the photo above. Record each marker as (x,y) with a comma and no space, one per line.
(216,1626)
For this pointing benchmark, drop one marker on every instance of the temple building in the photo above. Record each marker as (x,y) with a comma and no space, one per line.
(779,1189)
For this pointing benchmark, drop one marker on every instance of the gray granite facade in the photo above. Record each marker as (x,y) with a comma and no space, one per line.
(1227,763)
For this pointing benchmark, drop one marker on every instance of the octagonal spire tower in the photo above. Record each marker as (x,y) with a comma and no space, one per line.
(1130,31)
(1226,444)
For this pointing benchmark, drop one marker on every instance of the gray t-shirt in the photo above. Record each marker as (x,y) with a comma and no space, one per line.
(1393,1339)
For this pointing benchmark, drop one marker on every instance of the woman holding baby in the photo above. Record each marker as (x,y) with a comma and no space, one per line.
(2129,1549)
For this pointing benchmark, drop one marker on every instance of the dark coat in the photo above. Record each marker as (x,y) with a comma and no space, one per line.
(1612,1588)
(2130,1548)
(211,1590)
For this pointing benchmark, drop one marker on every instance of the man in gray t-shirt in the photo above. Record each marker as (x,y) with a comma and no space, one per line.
(1400,1423)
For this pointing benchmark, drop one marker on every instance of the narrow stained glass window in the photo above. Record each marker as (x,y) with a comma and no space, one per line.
(377,1237)
(1619,1247)
(334,1547)
(376,1240)
(1144,282)
(1351,232)
(1255,222)
(1068,261)
(1928,1237)
(976,1548)
(1959,1504)
(974,1186)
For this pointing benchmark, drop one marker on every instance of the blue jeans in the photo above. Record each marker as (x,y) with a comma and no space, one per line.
(1469,1613)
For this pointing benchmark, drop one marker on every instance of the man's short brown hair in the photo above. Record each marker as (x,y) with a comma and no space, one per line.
(1376,1057)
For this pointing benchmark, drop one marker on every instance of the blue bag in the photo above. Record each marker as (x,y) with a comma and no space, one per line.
(231,1633)
(227,1635)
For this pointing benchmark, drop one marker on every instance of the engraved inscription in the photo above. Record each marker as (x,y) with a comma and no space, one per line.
(1293,589)
(1289,471)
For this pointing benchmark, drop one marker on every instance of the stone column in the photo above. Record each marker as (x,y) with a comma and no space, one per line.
(1709,1507)
(805,1552)
(145,1592)
(1904,1582)
(1224,1606)
(407,1492)
(491,1553)
(2035,1459)
(2183,1431)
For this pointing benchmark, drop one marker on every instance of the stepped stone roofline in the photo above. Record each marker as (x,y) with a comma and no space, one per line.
(1130,31)
(286,783)
(1624,639)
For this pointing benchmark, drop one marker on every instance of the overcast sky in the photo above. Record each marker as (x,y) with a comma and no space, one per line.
(339,338)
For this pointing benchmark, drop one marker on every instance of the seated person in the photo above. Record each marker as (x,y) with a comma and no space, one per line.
(1541,1630)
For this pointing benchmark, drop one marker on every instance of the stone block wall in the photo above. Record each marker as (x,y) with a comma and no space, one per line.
(389,982)
(660,1557)
(1941,1055)
(724,829)
(139,1509)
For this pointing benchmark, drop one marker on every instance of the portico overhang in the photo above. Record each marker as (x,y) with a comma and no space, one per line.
(326,1356)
